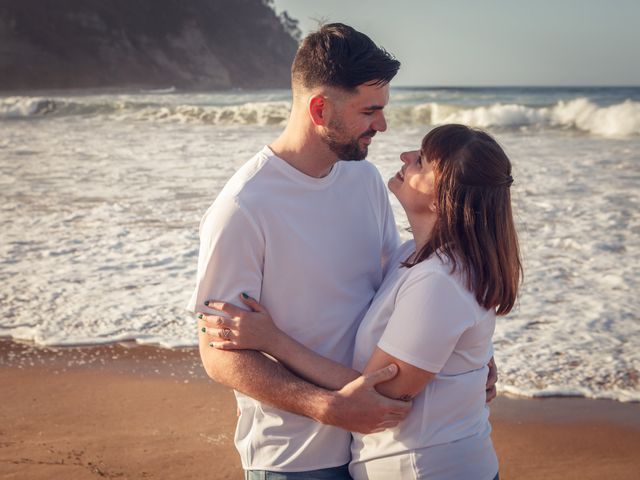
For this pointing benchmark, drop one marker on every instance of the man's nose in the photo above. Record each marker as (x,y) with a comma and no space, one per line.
(380,123)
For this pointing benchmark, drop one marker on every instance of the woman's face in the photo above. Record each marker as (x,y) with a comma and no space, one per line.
(414,184)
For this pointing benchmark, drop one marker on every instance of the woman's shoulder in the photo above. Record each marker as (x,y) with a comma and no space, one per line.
(439,270)
(441,273)
(437,263)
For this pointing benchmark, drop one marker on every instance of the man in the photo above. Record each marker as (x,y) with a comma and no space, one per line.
(308,236)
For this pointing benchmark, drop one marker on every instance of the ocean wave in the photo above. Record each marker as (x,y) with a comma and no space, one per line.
(580,114)
(255,113)
(252,113)
(22,107)
(619,120)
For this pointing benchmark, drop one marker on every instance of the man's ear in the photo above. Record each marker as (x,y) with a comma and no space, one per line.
(317,110)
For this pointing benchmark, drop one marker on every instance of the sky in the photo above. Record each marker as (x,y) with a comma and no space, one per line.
(493,42)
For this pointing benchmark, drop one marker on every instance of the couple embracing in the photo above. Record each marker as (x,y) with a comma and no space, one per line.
(365,357)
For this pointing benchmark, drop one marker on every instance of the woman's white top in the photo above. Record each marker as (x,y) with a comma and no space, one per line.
(426,316)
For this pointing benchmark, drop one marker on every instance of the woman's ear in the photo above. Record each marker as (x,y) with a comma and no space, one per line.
(317,106)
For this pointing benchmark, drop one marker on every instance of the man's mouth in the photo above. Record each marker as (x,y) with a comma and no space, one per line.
(367,136)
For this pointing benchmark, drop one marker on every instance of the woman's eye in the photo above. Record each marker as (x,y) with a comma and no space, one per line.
(419,159)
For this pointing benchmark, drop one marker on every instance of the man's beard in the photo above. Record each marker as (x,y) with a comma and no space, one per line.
(346,150)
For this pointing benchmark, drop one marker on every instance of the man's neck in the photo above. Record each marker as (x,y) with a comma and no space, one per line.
(304,152)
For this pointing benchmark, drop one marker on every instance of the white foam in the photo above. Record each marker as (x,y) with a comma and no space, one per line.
(614,121)
(492,116)
(620,120)
(99,233)
(255,113)
(581,114)
(22,107)
(160,91)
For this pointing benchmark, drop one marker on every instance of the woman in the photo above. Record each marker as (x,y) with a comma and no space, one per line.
(433,316)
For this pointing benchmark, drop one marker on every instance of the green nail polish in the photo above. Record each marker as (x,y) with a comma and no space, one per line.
(211,344)
(206,303)
(245,295)
(204,329)
(200,316)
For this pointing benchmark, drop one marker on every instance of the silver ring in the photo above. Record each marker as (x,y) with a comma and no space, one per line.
(225,333)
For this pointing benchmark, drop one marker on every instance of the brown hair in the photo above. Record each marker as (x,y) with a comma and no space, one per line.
(474,226)
(339,56)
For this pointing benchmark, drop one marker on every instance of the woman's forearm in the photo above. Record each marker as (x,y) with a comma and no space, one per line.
(255,330)
(310,365)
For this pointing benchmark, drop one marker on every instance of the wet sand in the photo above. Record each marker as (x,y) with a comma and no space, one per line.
(123,411)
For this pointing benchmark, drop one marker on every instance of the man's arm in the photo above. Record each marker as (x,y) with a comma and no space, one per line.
(356,407)
(230,262)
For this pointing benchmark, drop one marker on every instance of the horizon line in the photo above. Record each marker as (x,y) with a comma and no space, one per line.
(520,86)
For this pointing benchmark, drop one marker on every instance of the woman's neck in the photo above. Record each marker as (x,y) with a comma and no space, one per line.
(422,228)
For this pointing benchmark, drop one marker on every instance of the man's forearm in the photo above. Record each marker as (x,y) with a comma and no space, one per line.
(265,380)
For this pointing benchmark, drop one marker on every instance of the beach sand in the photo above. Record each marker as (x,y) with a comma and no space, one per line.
(123,411)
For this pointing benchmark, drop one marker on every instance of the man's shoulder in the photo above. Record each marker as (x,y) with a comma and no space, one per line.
(247,176)
(235,199)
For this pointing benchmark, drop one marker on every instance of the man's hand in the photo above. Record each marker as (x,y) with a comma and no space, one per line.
(492,378)
(358,407)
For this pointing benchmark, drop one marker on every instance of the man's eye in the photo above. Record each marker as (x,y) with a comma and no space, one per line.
(368,112)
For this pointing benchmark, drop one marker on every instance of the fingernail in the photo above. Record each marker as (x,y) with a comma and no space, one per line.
(211,344)
(206,303)
(204,329)
(245,295)
(200,315)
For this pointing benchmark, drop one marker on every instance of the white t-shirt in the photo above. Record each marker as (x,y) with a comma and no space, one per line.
(426,316)
(309,249)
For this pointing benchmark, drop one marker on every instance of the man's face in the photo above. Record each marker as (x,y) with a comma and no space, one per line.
(355,119)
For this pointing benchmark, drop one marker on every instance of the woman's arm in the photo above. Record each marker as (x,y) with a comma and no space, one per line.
(255,330)
(409,381)
(310,365)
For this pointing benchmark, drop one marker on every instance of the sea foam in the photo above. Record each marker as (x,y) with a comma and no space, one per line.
(579,114)
(100,211)
(620,120)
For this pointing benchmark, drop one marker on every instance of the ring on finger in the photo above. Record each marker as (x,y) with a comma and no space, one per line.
(225,333)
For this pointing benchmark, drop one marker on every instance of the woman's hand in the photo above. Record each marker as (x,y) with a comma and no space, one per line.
(242,329)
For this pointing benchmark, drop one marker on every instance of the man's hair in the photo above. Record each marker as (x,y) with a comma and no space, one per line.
(339,56)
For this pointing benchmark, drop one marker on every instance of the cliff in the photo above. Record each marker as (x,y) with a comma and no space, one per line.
(194,44)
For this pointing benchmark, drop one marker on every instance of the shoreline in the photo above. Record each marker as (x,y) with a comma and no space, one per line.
(131,411)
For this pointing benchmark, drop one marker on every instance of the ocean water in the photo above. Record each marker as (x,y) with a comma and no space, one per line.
(101,195)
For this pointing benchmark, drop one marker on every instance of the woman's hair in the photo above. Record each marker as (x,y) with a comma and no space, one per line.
(474,226)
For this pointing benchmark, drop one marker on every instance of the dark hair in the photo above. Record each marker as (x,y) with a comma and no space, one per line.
(474,226)
(337,55)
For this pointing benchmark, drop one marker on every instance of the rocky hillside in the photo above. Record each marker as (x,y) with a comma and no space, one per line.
(195,44)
